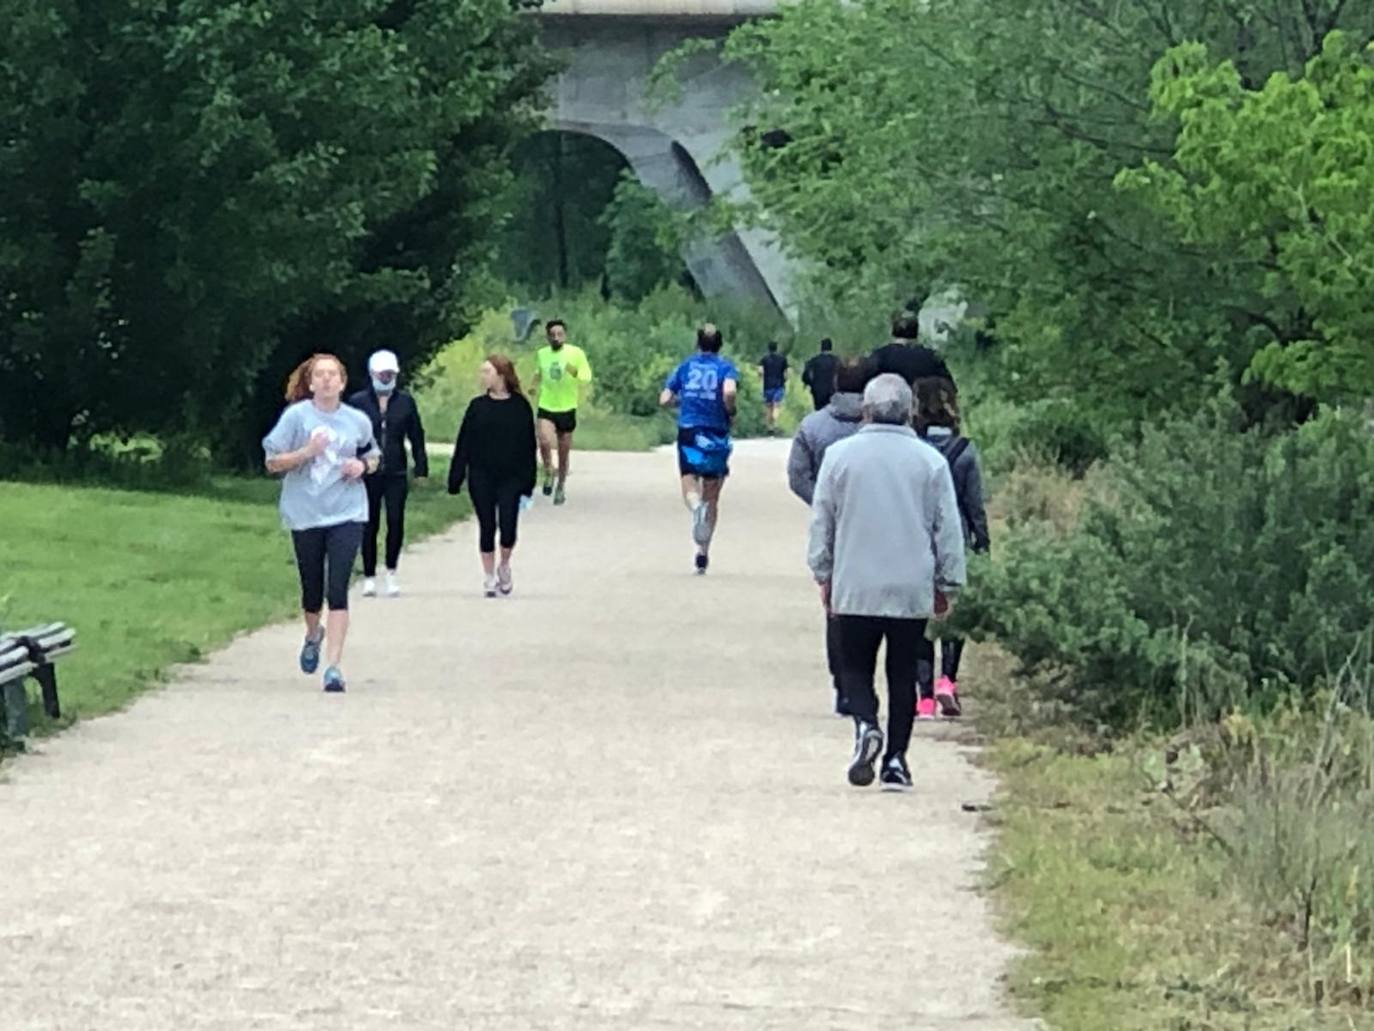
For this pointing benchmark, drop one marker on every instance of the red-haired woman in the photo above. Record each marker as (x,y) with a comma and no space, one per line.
(323,448)
(495,453)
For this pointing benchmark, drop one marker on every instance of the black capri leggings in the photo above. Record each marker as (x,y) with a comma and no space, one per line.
(326,552)
(495,503)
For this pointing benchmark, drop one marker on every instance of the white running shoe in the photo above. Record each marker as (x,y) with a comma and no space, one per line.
(489,586)
(701,523)
(393,586)
(369,587)
(505,582)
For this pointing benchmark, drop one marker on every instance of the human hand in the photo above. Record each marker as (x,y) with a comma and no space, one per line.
(825,596)
(353,468)
(318,442)
(944,605)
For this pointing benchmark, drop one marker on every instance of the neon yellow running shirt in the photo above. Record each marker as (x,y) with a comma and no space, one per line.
(558,391)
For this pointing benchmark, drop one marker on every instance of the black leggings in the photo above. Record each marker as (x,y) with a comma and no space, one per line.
(859,639)
(495,503)
(330,550)
(951,651)
(390,491)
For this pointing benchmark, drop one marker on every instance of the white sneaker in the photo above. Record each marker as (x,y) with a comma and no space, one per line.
(505,582)
(393,586)
(489,586)
(369,587)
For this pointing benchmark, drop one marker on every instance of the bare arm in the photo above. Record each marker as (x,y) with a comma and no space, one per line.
(729,393)
(667,399)
(285,462)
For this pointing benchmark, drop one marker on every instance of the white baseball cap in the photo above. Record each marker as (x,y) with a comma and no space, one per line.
(383,361)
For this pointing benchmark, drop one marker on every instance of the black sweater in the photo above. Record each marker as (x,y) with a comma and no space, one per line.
(495,442)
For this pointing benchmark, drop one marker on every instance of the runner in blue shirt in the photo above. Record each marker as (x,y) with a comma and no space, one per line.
(704,388)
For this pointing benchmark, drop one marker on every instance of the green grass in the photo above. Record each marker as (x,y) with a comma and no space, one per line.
(1134,921)
(150,579)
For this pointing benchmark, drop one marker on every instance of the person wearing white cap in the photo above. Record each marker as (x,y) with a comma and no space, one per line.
(395,419)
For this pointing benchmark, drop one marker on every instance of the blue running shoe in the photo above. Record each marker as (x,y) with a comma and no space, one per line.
(310,653)
(333,680)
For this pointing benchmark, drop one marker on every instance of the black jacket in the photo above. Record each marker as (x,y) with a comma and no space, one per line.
(819,376)
(401,421)
(967,473)
(910,361)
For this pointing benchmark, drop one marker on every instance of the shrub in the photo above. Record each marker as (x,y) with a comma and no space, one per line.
(1209,568)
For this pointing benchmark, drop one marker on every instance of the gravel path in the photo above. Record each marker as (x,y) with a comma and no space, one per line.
(616,801)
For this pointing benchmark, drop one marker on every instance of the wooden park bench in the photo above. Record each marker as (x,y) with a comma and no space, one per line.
(25,654)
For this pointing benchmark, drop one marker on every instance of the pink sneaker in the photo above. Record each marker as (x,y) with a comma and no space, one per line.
(947,694)
(925,709)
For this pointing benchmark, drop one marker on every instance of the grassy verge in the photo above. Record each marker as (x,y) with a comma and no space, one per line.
(1131,916)
(151,579)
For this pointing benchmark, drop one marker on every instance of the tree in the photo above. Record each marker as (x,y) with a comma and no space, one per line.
(1276,184)
(646,238)
(977,142)
(194,195)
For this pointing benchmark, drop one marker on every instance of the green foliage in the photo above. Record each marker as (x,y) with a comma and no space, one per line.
(1275,184)
(556,237)
(1209,569)
(976,143)
(646,239)
(632,351)
(193,197)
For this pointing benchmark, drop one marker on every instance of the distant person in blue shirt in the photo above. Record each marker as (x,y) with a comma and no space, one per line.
(704,388)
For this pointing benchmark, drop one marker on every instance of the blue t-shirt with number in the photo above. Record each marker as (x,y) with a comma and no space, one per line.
(699,384)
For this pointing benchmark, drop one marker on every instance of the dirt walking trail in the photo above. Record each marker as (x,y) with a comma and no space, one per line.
(615,801)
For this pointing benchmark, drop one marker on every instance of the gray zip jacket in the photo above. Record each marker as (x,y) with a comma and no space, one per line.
(841,418)
(885,526)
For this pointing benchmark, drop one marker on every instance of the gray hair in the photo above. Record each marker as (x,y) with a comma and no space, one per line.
(888,399)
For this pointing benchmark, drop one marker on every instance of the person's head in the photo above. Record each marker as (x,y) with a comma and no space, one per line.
(772,347)
(906,327)
(321,376)
(937,404)
(383,369)
(556,330)
(498,373)
(709,339)
(827,344)
(887,401)
(853,375)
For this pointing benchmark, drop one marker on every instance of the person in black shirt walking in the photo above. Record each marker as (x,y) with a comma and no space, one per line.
(818,374)
(774,367)
(908,359)
(395,419)
(495,454)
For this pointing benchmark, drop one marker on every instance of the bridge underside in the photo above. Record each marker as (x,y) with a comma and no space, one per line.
(678,149)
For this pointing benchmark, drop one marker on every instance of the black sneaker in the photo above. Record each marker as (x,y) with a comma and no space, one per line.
(868,742)
(702,563)
(896,776)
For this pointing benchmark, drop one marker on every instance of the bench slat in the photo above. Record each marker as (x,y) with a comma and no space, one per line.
(16,672)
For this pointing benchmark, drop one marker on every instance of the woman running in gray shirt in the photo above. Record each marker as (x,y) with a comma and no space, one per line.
(323,448)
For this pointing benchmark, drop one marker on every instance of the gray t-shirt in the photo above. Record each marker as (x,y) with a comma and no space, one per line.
(316,493)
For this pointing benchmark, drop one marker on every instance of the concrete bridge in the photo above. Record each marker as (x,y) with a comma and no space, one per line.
(677,149)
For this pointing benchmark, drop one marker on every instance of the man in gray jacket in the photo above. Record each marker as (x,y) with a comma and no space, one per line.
(839,419)
(887,549)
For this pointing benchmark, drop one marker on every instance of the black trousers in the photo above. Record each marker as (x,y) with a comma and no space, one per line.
(326,554)
(389,492)
(496,505)
(859,639)
(951,652)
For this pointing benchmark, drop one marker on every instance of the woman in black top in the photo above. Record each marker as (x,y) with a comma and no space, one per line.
(495,454)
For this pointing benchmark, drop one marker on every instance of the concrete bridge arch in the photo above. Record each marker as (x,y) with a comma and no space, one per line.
(678,149)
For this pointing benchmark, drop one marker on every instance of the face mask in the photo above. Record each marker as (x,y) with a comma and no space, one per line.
(383,388)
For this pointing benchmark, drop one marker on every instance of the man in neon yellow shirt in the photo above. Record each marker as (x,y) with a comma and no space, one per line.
(562,371)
